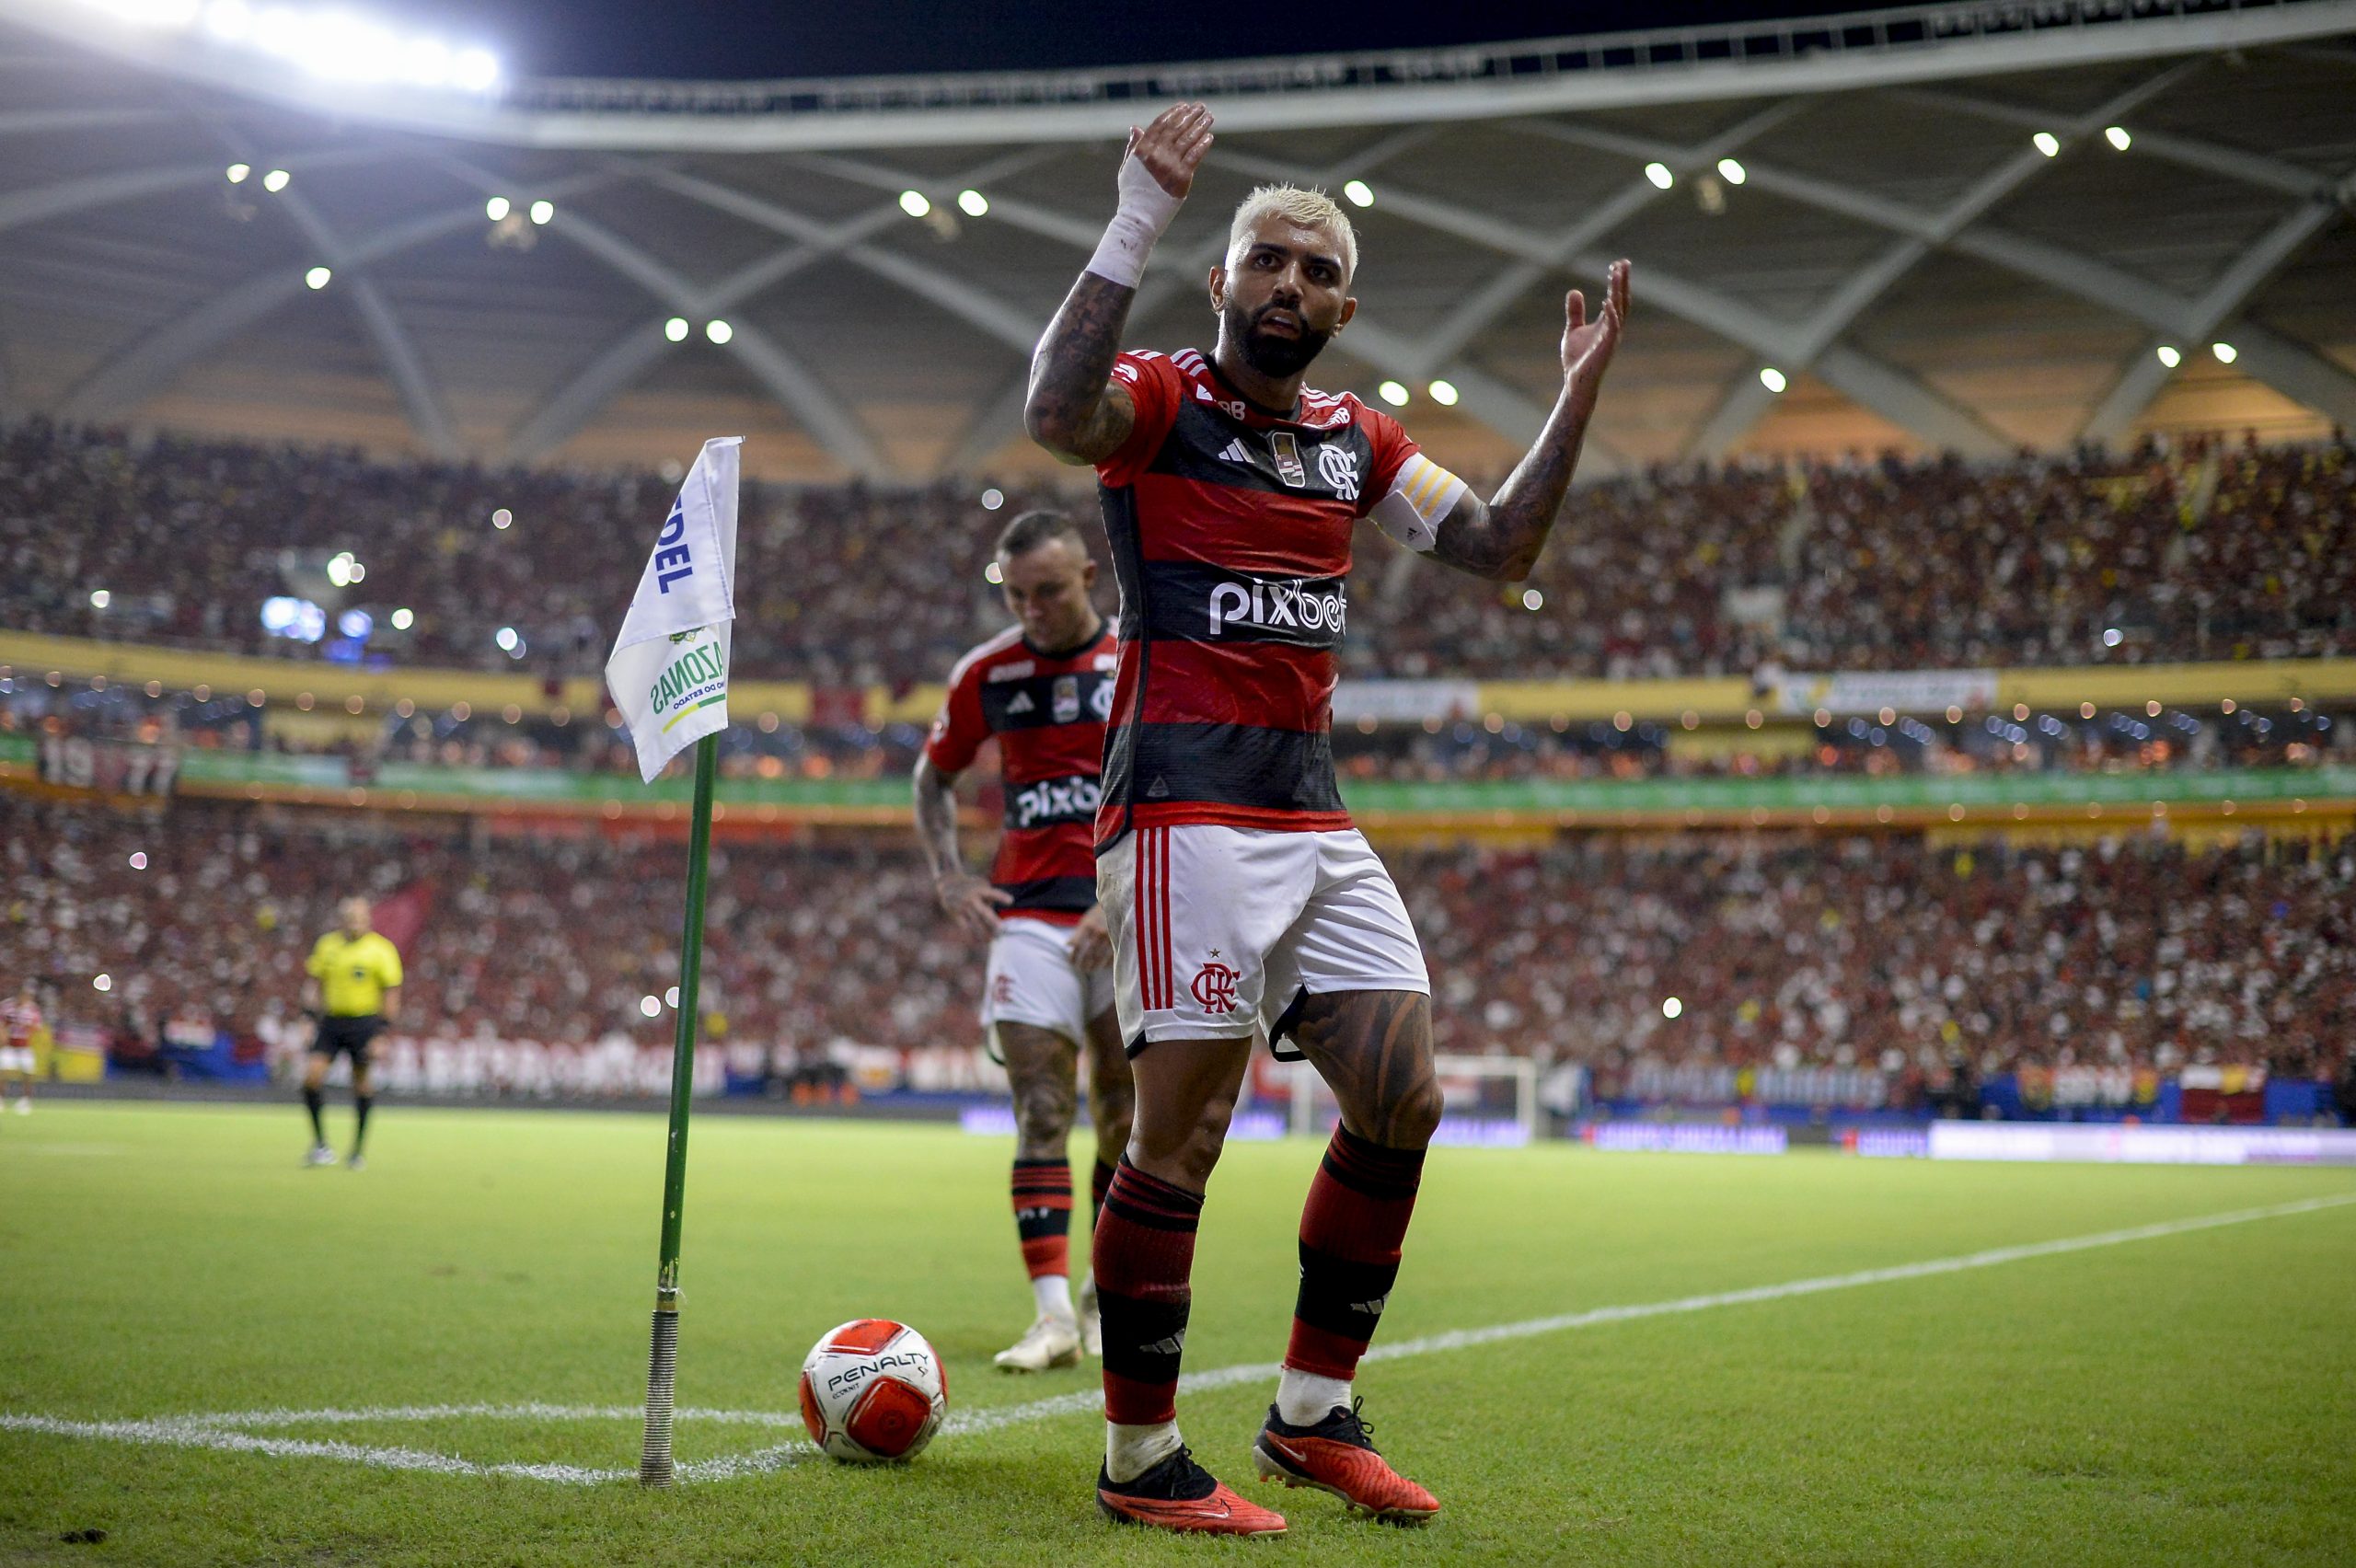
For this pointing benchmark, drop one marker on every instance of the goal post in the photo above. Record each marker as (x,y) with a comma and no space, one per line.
(1490,1101)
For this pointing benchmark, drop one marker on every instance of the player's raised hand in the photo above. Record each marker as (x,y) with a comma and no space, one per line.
(1588,346)
(1172,148)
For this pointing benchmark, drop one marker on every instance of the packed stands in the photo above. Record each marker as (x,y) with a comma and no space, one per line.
(2207,551)
(1887,955)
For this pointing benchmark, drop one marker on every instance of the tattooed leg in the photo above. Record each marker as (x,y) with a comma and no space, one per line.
(1375,1049)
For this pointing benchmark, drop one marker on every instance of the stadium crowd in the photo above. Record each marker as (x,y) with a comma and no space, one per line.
(1878,953)
(2208,550)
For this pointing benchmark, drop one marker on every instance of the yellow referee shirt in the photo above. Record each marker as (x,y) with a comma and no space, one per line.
(354,973)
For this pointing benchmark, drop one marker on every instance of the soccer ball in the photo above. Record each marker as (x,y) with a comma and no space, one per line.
(871,1390)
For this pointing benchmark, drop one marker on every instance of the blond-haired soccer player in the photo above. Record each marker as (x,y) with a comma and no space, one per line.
(353,986)
(1234,885)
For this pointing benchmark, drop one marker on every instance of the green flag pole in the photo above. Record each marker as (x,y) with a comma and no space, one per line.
(662,1359)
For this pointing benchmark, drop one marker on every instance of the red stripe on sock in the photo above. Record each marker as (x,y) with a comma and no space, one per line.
(1132,1403)
(1047,1255)
(1323,1354)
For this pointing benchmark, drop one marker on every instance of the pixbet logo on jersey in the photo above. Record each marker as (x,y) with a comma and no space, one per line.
(1055,800)
(1296,605)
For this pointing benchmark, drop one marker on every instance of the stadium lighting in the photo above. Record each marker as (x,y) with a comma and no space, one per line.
(2046,142)
(992,575)
(914,203)
(651,1006)
(676,328)
(973,203)
(139,860)
(671,998)
(719,332)
(2225,352)
(1444,393)
(1771,378)
(238,172)
(1731,172)
(355,624)
(497,208)
(477,70)
(231,21)
(1671,1006)
(340,568)
(276,180)
(2112,637)
(2118,137)
(2169,357)
(317,278)
(1531,599)
(543,210)
(103,983)
(1393,394)
(1659,175)
(404,618)
(1359,192)
(992,499)
(101,598)
(507,640)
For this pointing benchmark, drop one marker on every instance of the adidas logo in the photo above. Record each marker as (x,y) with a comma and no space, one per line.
(1233,452)
(1371,1308)
(1021,703)
(1172,1345)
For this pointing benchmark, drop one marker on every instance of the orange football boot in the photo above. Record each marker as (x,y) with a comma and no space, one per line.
(1179,1495)
(1337,1455)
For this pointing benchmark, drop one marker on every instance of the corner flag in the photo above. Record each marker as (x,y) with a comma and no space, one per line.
(668,672)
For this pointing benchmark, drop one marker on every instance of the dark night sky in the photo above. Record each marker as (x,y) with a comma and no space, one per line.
(824,38)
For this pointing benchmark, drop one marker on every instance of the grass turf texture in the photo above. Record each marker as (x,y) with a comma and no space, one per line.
(2185,1398)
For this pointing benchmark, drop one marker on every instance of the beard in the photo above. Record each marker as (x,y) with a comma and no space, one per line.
(1271,355)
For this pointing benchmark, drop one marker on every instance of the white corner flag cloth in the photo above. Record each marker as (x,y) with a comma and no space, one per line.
(668,672)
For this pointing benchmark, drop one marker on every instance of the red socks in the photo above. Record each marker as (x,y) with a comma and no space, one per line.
(1043,1214)
(1350,1230)
(1145,1257)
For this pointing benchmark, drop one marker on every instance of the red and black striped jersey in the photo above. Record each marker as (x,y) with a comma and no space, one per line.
(1230,533)
(1049,714)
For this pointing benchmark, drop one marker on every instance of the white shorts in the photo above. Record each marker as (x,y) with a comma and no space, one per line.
(16,1059)
(1216,929)
(1032,979)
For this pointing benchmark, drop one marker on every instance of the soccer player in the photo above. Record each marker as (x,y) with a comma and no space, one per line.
(352,986)
(19,1024)
(1233,883)
(1043,687)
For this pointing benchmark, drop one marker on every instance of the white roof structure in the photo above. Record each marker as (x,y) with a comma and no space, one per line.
(1861,240)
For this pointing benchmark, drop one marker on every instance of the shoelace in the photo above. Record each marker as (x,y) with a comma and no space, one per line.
(1356,1424)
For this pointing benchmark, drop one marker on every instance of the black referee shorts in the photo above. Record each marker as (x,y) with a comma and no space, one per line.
(348,1035)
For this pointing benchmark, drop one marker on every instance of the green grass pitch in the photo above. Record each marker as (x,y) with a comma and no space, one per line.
(2185,1397)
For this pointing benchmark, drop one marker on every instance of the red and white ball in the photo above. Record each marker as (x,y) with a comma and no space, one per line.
(871,1390)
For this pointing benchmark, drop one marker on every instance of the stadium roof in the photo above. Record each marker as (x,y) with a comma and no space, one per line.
(1856,209)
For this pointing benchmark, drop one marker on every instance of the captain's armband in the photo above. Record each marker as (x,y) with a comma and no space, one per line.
(1423,494)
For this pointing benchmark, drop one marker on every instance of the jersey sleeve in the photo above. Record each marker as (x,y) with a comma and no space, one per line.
(1157,388)
(388,963)
(316,966)
(958,731)
(1407,493)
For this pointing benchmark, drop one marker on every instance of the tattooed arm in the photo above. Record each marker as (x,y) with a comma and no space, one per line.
(1075,409)
(968,900)
(1501,538)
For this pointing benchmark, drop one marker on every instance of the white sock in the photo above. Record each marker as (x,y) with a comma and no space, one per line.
(1131,1451)
(1054,1295)
(1303,1399)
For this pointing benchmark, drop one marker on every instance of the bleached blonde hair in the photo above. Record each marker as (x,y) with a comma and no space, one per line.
(1310,209)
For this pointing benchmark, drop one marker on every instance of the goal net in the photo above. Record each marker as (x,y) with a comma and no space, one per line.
(1491,1100)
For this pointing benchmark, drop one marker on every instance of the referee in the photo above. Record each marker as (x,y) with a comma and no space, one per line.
(354,990)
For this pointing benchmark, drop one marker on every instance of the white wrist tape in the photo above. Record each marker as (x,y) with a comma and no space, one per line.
(1146,210)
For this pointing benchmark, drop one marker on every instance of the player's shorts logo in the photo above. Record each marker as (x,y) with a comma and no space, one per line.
(1214,987)
(1002,988)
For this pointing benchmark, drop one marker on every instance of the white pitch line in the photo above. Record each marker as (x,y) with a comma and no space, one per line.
(218,1431)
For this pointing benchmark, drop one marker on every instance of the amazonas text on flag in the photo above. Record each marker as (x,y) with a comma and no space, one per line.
(668,672)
